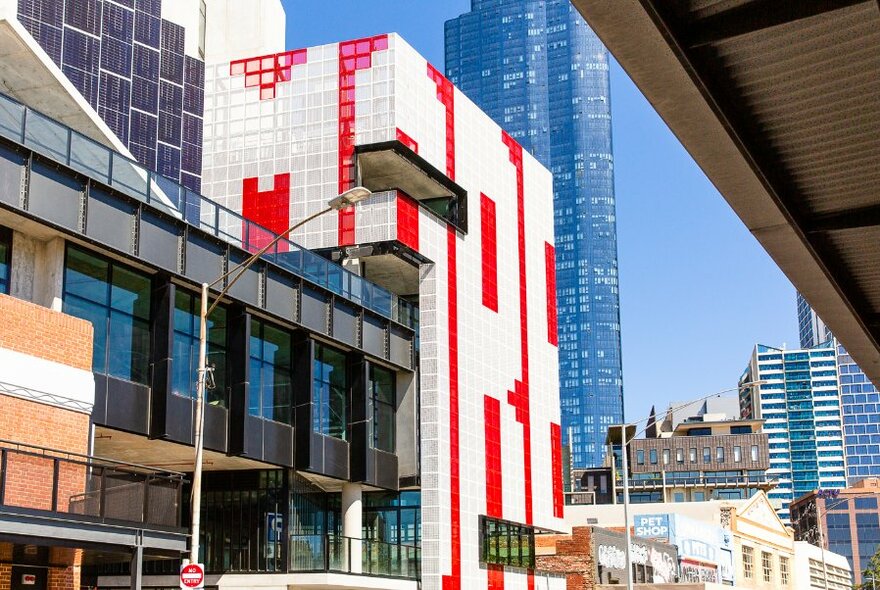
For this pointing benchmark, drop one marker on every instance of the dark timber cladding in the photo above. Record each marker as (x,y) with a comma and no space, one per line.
(779,104)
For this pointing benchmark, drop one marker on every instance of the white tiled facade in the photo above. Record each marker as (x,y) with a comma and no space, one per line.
(251,132)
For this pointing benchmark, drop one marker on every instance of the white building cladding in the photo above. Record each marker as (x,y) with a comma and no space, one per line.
(280,136)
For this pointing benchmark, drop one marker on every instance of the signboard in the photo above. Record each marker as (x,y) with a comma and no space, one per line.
(696,572)
(192,575)
(656,558)
(274,534)
(652,526)
(28,580)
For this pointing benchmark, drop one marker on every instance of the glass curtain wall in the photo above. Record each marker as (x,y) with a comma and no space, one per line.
(330,392)
(116,300)
(315,525)
(186,349)
(270,390)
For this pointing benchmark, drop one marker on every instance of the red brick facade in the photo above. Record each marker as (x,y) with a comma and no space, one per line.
(571,555)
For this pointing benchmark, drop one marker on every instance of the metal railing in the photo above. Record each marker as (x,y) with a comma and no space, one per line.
(37,479)
(335,553)
(83,154)
(703,480)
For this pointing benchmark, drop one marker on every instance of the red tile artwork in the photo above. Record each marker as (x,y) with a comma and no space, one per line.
(556,462)
(407,141)
(407,220)
(489,248)
(269,209)
(353,56)
(268,70)
(519,397)
(453,581)
(495,577)
(550,270)
(446,95)
(492,422)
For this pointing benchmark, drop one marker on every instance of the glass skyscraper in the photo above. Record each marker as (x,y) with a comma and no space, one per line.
(799,401)
(542,74)
(858,396)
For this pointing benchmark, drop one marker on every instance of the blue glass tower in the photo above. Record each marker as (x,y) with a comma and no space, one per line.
(542,74)
(859,399)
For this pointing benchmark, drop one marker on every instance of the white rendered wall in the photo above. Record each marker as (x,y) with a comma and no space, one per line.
(242,28)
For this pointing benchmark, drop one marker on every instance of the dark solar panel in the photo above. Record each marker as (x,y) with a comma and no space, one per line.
(144,154)
(193,100)
(169,128)
(193,183)
(195,71)
(118,22)
(147,29)
(192,130)
(87,84)
(172,37)
(171,66)
(129,3)
(144,95)
(116,56)
(192,158)
(151,7)
(116,121)
(168,161)
(170,97)
(47,36)
(144,128)
(81,51)
(146,63)
(84,15)
(50,12)
(115,92)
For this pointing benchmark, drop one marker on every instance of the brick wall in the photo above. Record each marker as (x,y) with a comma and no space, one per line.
(573,557)
(37,424)
(41,332)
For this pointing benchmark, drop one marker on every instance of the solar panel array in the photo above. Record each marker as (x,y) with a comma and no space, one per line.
(130,66)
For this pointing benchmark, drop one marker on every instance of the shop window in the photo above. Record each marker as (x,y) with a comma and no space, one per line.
(382,393)
(5,258)
(506,543)
(748,562)
(116,300)
(330,392)
(270,389)
(186,349)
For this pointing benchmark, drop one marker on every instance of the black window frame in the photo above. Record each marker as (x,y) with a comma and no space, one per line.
(5,260)
(340,430)
(379,438)
(218,322)
(261,358)
(494,530)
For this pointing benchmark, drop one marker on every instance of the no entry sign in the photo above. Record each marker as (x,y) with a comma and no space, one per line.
(192,575)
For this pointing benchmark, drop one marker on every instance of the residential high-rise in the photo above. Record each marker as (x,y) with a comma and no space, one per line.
(859,399)
(542,74)
(798,400)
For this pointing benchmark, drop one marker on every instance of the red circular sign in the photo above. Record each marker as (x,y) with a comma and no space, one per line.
(192,576)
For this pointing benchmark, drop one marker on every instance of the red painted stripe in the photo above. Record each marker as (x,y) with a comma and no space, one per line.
(266,71)
(495,574)
(492,418)
(489,252)
(407,220)
(353,56)
(269,209)
(407,141)
(446,95)
(519,398)
(550,270)
(556,463)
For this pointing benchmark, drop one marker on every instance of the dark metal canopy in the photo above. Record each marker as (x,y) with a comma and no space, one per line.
(778,101)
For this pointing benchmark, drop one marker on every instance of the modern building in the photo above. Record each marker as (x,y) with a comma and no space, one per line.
(846,521)
(461,226)
(859,399)
(542,74)
(820,569)
(799,402)
(356,435)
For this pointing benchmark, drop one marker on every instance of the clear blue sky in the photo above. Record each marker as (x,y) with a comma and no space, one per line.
(697,290)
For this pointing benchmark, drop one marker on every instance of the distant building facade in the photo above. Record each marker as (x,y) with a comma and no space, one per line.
(859,399)
(542,74)
(815,571)
(847,522)
(799,402)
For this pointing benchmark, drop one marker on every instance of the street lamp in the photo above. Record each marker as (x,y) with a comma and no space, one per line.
(627,434)
(346,199)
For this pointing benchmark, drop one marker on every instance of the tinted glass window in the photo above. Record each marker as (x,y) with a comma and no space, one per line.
(5,258)
(116,300)
(330,392)
(382,392)
(270,390)
(186,349)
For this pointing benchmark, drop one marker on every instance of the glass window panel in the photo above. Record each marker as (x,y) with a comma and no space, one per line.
(270,389)
(130,293)
(330,392)
(97,315)
(5,255)
(86,276)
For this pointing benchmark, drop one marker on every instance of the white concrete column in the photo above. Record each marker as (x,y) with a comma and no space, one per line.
(352,524)
(38,270)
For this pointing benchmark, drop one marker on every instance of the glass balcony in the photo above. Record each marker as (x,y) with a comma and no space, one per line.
(338,554)
(78,152)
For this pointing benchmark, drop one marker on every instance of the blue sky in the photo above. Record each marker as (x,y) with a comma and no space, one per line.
(697,290)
